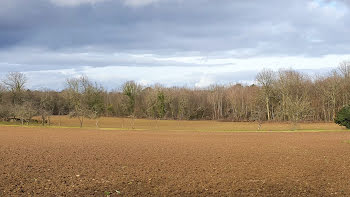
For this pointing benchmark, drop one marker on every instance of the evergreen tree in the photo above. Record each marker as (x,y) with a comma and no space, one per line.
(343,117)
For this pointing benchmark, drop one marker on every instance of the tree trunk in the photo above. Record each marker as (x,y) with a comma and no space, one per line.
(284,110)
(334,105)
(97,126)
(43,120)
(267,108)
(59,121)
(133,123)
(81,119)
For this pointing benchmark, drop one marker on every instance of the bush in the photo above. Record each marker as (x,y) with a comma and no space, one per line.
(343,117)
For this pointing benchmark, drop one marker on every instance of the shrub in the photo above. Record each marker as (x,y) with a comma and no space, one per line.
(343,117)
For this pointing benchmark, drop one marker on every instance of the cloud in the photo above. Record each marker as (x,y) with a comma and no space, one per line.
(200,39)
(172,26)
(204,81)
(72,3)
(137,3)
(112,77)
(131,3)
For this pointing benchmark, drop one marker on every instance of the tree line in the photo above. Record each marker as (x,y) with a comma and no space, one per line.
(283,95)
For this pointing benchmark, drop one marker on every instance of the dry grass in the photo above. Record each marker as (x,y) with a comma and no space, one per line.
(109,123)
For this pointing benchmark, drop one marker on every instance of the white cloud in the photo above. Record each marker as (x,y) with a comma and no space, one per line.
(201,76)
(331,9)
(137,3)
(204,81)
(72,3)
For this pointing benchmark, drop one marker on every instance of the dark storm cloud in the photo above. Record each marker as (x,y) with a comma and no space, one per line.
(63,38)
(270,27)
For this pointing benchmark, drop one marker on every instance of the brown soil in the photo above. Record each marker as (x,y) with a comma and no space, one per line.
(74,162)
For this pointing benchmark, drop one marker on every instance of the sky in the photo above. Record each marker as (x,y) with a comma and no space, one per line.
(192,43)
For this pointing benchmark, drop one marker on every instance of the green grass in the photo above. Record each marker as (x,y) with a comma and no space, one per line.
(7,124)
(19,124)
(125,124)
(107,193)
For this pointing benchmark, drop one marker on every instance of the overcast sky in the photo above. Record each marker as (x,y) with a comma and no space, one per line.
(173,42)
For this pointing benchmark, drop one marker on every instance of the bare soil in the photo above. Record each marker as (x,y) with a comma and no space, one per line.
(78,162)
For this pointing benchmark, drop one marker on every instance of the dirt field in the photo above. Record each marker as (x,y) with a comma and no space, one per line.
(78,162)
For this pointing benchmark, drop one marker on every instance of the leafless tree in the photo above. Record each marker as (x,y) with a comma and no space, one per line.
(344,69)
(46,106)
(294,90)
(285,95)
(266,79)
(85,98)
(15,83)
(25,112)
(216,98)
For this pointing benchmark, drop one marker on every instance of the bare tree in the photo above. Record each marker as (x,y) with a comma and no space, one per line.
(216,98)
(131,90)
(286,95)
(333,90)
(2,92)
(15,83)
(46,106)
(24,112)
(266,79)
(297,109)
(183,107)
(85,98)
(344,69)
(5,111)
(257,115)
(294,90)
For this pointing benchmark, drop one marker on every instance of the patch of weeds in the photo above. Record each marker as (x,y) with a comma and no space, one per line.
(107,193)
(347,141)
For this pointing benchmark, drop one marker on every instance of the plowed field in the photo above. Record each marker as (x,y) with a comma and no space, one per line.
(78,162)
